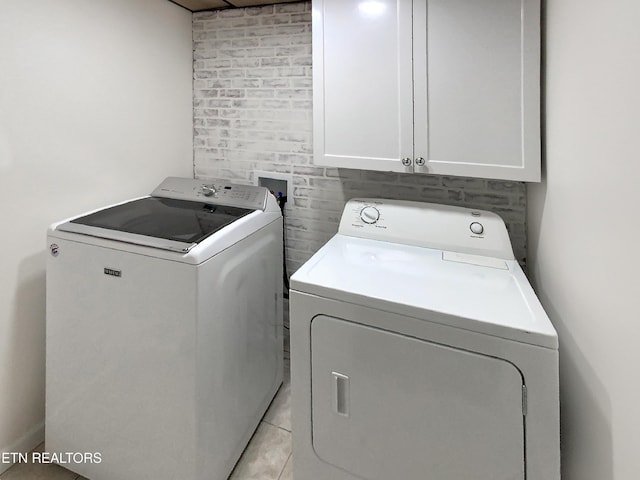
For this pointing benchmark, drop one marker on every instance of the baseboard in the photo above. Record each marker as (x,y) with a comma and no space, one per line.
(28,442)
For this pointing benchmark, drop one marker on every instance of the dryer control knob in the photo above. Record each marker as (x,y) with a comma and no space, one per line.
(477,228)
(369,215)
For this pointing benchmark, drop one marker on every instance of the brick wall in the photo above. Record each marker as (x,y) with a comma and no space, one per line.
(252,112)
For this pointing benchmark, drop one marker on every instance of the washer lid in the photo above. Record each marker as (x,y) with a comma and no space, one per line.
(164,223)
(490,297)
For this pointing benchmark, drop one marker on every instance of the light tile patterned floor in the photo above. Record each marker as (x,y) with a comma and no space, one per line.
(267,457)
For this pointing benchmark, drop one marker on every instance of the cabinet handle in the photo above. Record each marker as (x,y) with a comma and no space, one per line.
(420,162)
(406,161)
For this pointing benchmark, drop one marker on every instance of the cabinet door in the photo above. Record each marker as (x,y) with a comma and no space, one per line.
(388,406)
(362,83)
(476,86)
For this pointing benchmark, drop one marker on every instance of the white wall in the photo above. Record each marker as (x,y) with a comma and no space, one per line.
(584,230)
(95,107)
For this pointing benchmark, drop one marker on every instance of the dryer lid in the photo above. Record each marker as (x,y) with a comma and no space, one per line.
(429,284)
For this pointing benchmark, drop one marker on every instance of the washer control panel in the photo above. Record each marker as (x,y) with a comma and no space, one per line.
(431,225)
(217,191)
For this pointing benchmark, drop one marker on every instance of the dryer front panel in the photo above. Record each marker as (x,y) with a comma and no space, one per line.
(386,406)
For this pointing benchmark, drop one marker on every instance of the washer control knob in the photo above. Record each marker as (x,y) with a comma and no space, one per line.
(369,215)
(477,228)
(208,190)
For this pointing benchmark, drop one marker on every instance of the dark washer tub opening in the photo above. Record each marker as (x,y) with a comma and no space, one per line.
(178,220)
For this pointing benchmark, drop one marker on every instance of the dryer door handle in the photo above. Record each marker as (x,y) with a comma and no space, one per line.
(341,395)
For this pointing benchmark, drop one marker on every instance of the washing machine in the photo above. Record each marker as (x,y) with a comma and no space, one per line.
(163,331)
(420,351)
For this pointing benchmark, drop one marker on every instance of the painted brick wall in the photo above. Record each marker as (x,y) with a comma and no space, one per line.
(252,112)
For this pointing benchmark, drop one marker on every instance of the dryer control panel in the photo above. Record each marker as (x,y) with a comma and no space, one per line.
(218,192)
(431,225)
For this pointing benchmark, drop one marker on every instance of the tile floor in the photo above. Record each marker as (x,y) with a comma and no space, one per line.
(267,457)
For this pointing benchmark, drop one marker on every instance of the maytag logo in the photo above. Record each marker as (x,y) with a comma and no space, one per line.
(112,272)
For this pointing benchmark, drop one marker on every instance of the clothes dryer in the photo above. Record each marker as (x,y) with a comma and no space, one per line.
(419,350)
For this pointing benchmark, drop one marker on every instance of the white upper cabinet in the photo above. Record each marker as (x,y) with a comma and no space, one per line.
(363,86)
(446,87)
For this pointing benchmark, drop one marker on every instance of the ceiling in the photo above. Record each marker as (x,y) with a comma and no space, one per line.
(200,5)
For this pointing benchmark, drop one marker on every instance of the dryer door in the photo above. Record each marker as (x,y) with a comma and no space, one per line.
(391,406)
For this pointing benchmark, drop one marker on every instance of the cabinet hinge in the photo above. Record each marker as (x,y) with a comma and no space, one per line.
(524,400)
